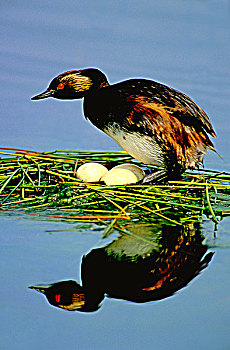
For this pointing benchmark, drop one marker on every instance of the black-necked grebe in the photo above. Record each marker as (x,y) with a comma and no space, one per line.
(154,123)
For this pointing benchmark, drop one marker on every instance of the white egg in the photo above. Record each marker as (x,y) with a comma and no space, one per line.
(140,174)
(91,172)
(119,176)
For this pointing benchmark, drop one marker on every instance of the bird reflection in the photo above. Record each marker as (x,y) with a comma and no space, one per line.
(150,263)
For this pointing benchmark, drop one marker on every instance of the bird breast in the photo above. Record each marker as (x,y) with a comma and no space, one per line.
(142,148)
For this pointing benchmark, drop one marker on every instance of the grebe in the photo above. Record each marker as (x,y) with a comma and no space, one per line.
(154,123)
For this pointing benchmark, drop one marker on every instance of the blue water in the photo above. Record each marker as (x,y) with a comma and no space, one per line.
(184,44)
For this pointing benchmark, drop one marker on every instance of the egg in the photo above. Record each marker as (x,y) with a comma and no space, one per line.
(140,174)
(91,172)
(122,176)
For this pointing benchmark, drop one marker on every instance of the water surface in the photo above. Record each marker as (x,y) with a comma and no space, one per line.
(184,44)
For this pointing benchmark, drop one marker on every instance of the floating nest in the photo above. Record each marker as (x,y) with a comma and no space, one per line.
(45,184)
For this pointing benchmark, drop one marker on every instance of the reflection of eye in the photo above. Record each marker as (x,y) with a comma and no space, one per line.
(60,86)
(57,298)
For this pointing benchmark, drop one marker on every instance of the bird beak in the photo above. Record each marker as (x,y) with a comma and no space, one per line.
(45,94)
(41,287)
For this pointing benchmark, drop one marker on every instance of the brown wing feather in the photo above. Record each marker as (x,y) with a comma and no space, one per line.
(188,142)
(188,111)
(176,103)
(180,107)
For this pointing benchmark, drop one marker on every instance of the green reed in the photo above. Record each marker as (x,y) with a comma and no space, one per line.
(45,184)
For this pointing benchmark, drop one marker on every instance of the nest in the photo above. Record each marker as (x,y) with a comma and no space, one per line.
(45,184)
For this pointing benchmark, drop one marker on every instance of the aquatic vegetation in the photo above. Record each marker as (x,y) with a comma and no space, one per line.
(45,184)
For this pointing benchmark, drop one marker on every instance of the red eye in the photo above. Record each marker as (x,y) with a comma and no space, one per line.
(58,298)
(60,86)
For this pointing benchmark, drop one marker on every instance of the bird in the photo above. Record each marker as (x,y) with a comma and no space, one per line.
(152,263)
(154,123)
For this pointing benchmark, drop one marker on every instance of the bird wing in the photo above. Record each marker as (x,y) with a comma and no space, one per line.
(162,99)
(188,112)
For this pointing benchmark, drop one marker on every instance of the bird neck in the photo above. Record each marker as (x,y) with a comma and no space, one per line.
(98,85)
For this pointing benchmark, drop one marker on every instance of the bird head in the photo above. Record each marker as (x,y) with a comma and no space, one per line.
(74,84)
(68,295)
